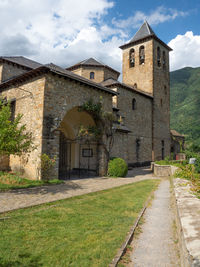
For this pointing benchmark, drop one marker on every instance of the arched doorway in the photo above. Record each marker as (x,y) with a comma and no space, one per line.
(77,156)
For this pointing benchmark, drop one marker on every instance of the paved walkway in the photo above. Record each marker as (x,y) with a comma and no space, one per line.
(155,246)
(21,198)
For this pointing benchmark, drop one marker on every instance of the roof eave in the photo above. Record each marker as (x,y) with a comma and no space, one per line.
(149,37)
(44,69)
(130,89)
(2,59)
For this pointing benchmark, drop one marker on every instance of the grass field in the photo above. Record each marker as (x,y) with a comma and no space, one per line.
(80,231)
(13,181)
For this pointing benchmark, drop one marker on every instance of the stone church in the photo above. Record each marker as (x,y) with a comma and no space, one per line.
(49,96)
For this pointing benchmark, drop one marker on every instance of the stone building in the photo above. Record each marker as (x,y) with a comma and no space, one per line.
(177,145)
(49,96)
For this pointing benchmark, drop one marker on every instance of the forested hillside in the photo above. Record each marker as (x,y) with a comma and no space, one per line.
(185,103)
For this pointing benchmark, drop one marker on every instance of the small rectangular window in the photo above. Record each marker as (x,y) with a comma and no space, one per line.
(87,152)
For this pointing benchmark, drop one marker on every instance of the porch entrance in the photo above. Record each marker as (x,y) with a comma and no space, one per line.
(77,158)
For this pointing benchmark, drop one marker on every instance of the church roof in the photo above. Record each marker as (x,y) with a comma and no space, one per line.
(144,32)
(112,82)
(175,133)
(91,62)
(22,61)
(56,70)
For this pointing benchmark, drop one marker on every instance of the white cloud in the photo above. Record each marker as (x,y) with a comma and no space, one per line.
(159,15)
(67,31)
(186,51)
(63,31)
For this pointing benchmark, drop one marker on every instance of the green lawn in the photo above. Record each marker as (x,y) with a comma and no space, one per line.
(14,181)
(80,231)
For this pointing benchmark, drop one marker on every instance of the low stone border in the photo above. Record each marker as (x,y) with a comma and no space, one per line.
(163,170)
(184,255)
(187,213)
(129,238)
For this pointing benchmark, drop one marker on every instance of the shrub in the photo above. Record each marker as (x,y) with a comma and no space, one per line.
(46,165)
(117,167)
(197,164)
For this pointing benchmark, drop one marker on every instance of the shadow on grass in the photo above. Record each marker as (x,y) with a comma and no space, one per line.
(46,189)
(25,259)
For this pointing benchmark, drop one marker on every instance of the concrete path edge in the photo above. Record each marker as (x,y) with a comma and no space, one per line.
(130,235)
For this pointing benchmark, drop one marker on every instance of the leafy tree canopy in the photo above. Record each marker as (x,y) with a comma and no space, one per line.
(14,139)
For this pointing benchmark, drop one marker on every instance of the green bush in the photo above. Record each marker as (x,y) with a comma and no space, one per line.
(47,164)
(117,167)
(197,164)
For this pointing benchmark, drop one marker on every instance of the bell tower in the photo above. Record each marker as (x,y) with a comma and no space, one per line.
(146,67)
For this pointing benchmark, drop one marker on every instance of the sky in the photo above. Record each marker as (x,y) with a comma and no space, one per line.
(65,32)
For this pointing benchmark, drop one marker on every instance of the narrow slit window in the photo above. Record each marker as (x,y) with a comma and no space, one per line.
(133,104)
(164,60)
(92,75)
(165,89)
(158,57)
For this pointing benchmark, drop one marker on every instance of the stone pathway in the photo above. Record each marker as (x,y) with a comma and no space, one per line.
(21,198)
(155,246)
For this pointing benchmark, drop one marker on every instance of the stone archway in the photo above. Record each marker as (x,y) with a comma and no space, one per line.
(76,156)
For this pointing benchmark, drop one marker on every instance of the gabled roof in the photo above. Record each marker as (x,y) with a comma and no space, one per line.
(112,82)
(144,33)
(91,62)
(22,61)
(56,70)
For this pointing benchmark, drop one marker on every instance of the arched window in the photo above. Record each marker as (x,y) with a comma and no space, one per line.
(141,55)
(158,57)
(161,102)
(164,60)
(133,104)
(92,75)
(132,58)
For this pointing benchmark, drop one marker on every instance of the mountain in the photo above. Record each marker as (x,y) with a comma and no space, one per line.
(185,103)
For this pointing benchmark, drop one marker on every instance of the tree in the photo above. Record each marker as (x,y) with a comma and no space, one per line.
(13,136)
(102,132)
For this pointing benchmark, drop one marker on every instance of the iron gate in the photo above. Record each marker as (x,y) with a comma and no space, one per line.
(77,158)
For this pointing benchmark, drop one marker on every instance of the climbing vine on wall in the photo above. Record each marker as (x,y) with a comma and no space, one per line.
(103,131)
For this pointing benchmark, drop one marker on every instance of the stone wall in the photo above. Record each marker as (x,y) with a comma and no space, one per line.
(4,163)
(110,74)
(100,73)
(139,122)
(161,103)
(61,96)
(29,102)
(140,74)
(9,70)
